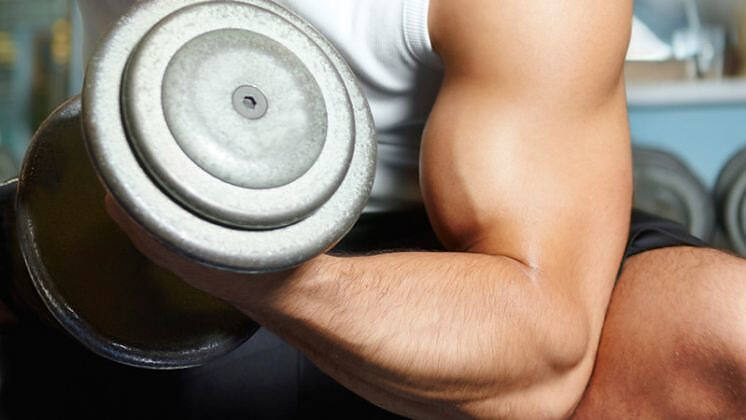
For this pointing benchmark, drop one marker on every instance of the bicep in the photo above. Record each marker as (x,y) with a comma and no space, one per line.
(526,152)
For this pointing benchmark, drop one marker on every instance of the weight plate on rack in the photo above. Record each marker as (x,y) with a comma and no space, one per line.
(666,187)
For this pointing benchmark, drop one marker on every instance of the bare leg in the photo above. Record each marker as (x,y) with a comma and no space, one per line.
(674,340)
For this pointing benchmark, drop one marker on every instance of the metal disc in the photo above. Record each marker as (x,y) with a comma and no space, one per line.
(215,96)
(196,234)
(90,277)
(729,175)
(730,192)
(665,186)
(734,215)
(178,95)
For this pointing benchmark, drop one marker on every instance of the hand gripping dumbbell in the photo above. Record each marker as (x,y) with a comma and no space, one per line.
(232,131)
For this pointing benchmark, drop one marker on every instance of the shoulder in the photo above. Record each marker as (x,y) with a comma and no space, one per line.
(518,35)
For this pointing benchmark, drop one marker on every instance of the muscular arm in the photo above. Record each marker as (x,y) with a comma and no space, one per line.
(526,177)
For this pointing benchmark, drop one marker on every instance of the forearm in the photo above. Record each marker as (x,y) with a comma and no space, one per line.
(453,328)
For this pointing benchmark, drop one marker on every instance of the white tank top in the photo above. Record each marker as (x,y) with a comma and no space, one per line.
(387,44)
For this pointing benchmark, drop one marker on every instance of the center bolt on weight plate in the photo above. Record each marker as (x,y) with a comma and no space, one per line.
(250,102)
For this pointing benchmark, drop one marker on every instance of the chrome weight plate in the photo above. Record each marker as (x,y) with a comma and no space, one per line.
(180,92)
(666,187)
(231,130)
(91,278)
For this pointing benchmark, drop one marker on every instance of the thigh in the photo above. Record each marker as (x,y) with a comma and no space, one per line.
(674,340)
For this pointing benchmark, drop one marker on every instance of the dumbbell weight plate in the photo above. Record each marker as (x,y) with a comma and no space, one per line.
(235,212)
(16,287)
(91,278)
(729,175)
(223,163)
(665,186)
(735,215)
(651,194)
(731,194)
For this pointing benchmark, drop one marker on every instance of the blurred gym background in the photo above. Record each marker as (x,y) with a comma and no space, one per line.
(686,74)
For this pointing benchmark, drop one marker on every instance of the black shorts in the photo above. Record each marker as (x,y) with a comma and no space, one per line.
(648,232)
(264,379)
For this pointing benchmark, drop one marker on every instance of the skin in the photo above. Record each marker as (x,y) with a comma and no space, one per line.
(525,173)
(674,341)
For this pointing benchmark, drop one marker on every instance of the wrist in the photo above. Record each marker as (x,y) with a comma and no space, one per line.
(317,269)
(274,291)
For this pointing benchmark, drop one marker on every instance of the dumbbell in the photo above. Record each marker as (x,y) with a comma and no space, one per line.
(730,195)
(666,187)
(231,131)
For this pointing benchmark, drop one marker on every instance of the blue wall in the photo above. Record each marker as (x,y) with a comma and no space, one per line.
(704,136)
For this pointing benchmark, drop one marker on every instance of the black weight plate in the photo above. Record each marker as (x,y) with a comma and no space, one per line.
(665,186)
(90,277)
